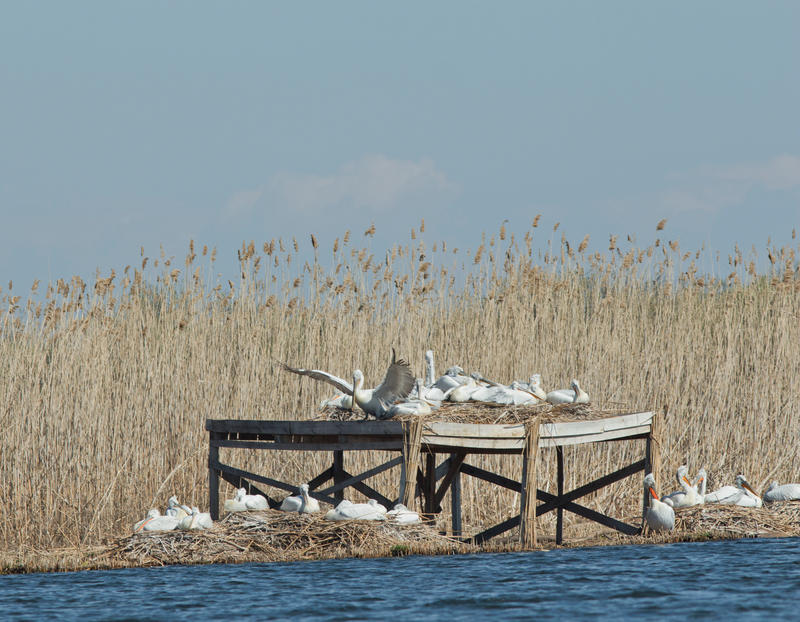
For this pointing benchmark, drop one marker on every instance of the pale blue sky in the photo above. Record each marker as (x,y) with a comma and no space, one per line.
(148,123)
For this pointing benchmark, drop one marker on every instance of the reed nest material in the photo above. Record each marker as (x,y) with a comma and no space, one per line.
(271,535)
(483,412)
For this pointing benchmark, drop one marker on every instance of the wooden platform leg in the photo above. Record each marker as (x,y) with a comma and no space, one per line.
(527,505)
(455,501)
(412,436)
(338,473)
(429,489)
(213,477)
(652,462)
(559,492)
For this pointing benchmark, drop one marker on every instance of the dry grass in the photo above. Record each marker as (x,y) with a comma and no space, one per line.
(105,387)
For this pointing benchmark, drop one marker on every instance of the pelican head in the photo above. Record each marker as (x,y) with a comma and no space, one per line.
(173,500)
(683,471)
(575,386)
(304,489)
(535,380)
(650,483)
(741,482)
(153,513)
(358,379)
(701,477)
(455,370)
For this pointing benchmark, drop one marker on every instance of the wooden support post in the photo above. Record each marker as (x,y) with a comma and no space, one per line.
(213,476)
(338,473)
(412,437)
(559,492)
(429,489)
(527,505)
(455,501)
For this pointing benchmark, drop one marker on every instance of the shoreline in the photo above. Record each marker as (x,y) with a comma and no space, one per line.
(262,537)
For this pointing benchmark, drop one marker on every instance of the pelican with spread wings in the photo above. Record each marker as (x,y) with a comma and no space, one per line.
(397,384)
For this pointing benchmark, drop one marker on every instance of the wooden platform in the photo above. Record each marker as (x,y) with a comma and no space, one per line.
(457,440)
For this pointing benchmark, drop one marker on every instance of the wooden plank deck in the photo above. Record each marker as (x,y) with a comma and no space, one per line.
(458,440)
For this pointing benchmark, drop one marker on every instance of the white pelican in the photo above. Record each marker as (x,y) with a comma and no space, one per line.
(196,520)
(401,515)
(535,386)
(301,502)
(253,502)
(346,510)
(156,522)
(739,494)
(453,377)
(685,498)
(659,516)
(430,370)
(236,504)
(397,384)
(575,395)
(785,492)
(177,509)
(501,394)
(700,484)
(415,406)
(340,400)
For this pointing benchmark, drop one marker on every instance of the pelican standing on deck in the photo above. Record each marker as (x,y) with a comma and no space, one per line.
(740,493)
(574,395)
(659,516)
(397,384)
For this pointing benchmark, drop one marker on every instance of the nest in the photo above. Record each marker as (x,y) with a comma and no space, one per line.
(483,412)
(272,535)
(733,521)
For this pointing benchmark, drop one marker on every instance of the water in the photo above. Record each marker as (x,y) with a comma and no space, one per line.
(743,579)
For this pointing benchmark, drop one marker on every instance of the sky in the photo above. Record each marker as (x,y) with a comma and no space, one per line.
(146,124)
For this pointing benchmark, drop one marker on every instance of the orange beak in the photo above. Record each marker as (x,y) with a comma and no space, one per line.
(687,481)
(653,492)
(750,489)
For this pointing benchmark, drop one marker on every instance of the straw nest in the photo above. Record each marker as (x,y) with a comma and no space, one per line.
(272,535)
(483,412)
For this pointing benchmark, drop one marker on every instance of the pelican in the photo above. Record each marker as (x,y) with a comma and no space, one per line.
(659,516)
(401,515)
(535,386)
(415,406)
(253,502)
(301,502)
(786,492)
(739,494)
(340,400)
(396,384)
(236,504)
(346,510)
(700,484)
(156,522)
(430,369)
(685,498)
(575,395)
(463,392)
(177,509)
(497,393)
(196,521)
(453,377)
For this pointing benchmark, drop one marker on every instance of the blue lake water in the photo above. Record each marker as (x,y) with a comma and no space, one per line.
(742,579)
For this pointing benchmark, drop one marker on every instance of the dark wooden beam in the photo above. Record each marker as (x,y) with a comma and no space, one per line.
(454,464)
(483,536)
(560,491)
(494,478)
(365,475)
(320,479)
(338,474)
(455,503)
(213,477)
(240,482)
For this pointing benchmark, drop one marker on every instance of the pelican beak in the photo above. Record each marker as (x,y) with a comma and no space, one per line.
(653,492)
(747,486)
(687,481)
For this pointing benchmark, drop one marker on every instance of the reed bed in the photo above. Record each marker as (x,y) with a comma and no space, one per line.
(105,386)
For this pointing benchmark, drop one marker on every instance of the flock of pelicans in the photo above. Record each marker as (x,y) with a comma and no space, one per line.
(402,394)
(179,516)
(660,514)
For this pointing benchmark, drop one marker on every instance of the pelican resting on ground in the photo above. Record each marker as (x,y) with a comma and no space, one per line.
(197,520)
(414,406)
(453,377)
(685,498)
(236,504)
(156,522)
(497,393)
(535,387)
(340,400)
(401,515)
(785,492)
(659,516)
(301,502)
(574,395)
(397,384)
(740,493)
(347,510)
(177,509)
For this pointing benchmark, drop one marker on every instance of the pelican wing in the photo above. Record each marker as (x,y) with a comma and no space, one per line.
(324,376)
(397,383)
